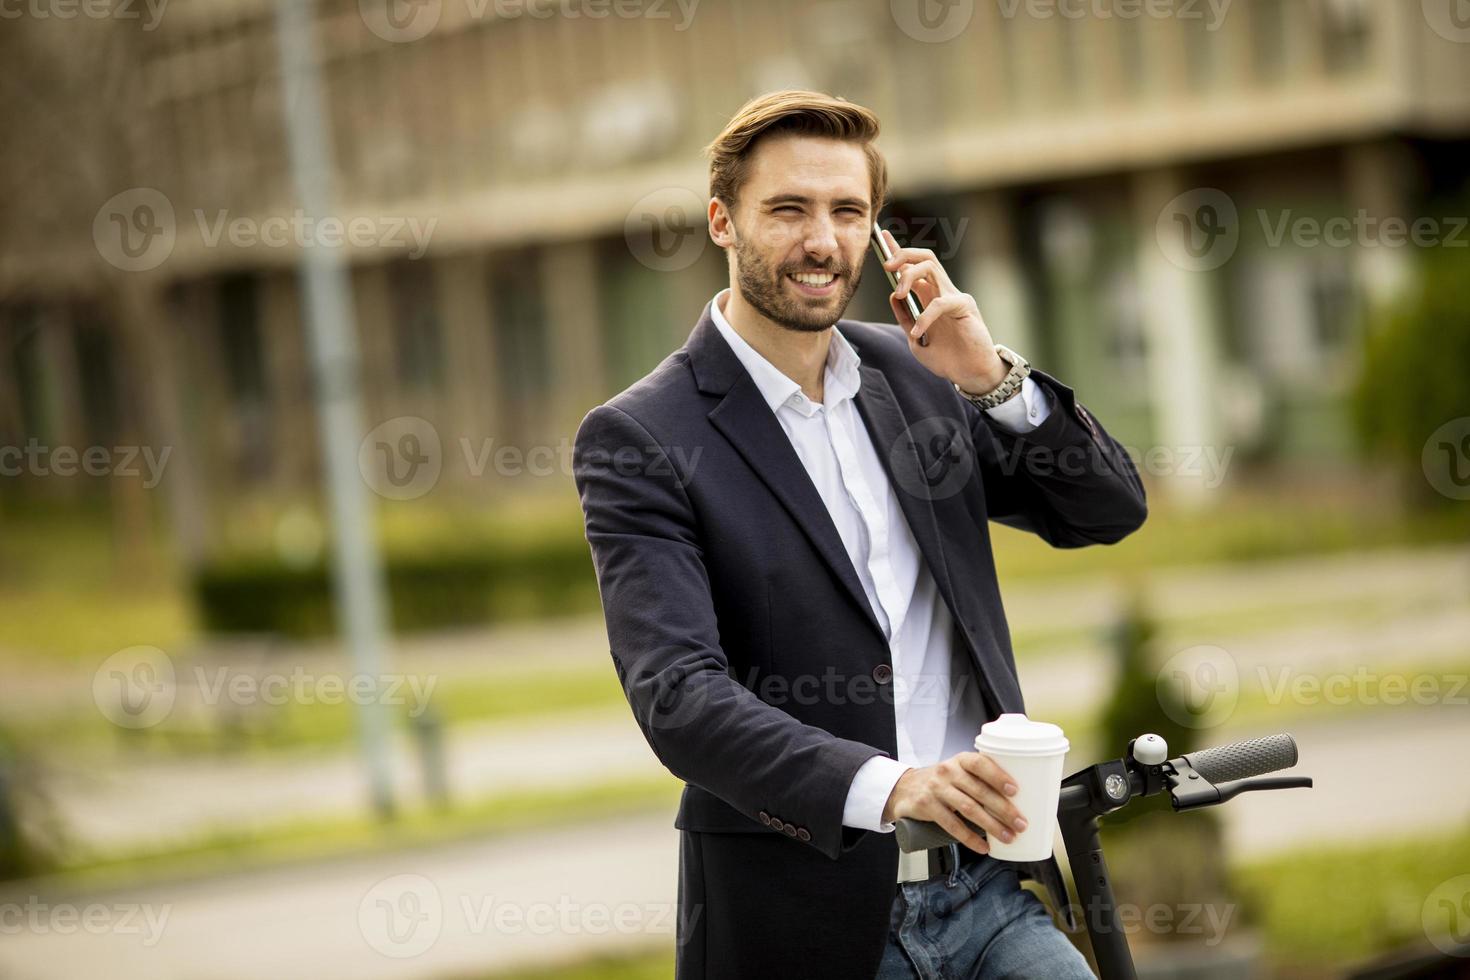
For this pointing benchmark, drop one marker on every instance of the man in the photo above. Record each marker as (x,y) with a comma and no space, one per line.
(788,522)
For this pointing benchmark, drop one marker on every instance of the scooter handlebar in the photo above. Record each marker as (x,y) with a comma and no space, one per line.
(1242,760)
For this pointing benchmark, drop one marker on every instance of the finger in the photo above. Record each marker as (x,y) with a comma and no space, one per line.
(938,308)
(901,312)
(903,255)
(910,275)
(919,281)
(991,798)
(988,770)
(960,832)
(929,268)
(977,814)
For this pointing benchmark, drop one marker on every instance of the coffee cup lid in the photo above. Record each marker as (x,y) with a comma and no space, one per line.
(1018,735)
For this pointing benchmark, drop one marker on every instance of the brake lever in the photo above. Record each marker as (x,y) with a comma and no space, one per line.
(1189,790)
(1237,786)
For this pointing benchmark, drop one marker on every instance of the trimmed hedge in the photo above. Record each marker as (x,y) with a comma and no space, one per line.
(427,591)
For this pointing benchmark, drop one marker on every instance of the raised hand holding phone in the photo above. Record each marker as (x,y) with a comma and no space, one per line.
(947,333)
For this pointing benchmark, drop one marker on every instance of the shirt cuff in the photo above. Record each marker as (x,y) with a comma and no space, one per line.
(869,792)
(1025,411)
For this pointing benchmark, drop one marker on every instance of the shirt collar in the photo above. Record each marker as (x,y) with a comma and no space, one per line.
(840,381)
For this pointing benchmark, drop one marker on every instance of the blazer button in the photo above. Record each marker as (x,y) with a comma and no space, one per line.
(765,818)
(776,824)
(790,831)
(882,673)
(803,834)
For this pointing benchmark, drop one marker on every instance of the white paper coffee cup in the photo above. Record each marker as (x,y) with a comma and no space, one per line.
(1033,753)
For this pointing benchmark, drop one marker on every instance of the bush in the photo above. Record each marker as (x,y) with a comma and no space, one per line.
(1413,377)
(1158,858)
(260,593)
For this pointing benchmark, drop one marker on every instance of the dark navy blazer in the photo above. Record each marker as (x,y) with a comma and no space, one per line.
(748,651)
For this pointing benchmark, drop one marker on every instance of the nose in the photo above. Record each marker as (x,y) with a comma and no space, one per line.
(820,241)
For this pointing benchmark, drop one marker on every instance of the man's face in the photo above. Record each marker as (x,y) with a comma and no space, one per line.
(804,211)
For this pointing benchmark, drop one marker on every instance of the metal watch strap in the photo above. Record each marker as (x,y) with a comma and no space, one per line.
(1008,386)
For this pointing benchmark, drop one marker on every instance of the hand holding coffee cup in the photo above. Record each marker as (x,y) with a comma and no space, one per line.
(1009,787)
(966,784)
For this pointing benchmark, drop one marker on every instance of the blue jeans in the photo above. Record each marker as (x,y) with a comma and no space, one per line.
(976,923)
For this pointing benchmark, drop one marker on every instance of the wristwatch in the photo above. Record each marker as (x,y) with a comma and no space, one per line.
(1008,386)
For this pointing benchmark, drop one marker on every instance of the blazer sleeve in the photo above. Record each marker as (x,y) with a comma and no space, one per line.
(1066,480)
(702,724)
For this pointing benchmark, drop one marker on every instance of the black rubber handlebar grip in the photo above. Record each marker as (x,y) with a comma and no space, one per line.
(1242,760)
(920,835)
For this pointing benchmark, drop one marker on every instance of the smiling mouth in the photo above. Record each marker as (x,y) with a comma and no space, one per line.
(815,283)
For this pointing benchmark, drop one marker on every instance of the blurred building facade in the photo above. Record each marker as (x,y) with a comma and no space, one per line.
(555,156)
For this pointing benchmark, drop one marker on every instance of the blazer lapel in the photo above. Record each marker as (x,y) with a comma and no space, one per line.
(897,450)
(744,418)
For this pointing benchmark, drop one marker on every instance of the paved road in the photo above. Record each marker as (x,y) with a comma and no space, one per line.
(116,803)
(484,905)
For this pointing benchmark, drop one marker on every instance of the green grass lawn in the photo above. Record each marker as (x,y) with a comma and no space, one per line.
(69,590)
(1333,904)
(1320,909)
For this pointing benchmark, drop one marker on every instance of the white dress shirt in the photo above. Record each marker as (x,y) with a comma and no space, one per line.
(937,705)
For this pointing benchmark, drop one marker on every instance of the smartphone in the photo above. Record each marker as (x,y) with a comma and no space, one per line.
(880,249)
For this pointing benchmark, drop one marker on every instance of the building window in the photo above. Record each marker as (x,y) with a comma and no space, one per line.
(1346,31)
(242,347)
(417,331)
(1268,40)
(240,340)
(522,355)
(96,357)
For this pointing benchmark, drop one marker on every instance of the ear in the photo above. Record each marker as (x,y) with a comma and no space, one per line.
(721,228)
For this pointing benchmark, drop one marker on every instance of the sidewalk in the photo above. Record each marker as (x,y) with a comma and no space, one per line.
(116,802)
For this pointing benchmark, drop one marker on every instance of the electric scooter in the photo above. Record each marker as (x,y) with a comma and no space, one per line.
(1195,779)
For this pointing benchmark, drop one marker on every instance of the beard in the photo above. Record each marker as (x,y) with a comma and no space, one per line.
(764,288)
